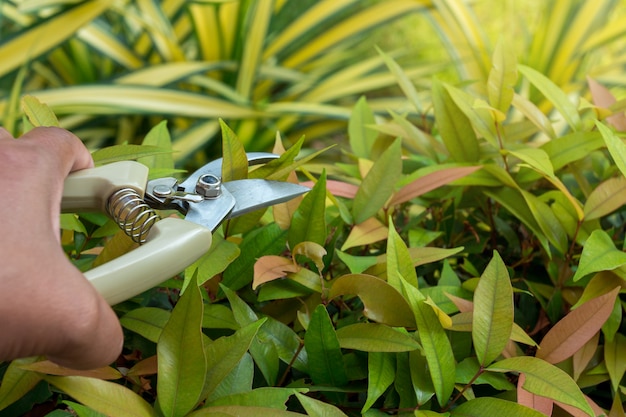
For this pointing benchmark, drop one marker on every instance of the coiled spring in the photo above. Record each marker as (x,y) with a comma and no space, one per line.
(131,213)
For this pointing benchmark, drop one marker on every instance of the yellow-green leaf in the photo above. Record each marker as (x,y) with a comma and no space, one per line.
(38,114)
(599,254)
(374,337)
(502,77)
(606,198)
(368,232)
(493,311)
(106,397)
(16,381)
(235,161)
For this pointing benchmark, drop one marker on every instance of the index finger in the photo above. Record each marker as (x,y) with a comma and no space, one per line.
(72,153)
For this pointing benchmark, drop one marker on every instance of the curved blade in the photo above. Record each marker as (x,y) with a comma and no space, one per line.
(254,194)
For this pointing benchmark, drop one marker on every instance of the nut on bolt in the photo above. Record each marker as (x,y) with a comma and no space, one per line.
(209,186)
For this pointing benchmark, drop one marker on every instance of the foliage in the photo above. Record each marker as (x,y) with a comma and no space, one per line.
(112,69)
(469,263)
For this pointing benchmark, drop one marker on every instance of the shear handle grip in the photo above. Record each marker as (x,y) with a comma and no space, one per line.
(171,246)
(89,189)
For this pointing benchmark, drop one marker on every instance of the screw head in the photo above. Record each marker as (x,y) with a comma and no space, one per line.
(162,190)
(209,186)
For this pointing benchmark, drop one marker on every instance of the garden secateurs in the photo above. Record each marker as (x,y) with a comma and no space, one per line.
(169,245)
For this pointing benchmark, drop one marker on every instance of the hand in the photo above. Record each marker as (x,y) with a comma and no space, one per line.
(47,307)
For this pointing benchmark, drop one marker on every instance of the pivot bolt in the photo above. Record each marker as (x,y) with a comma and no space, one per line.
(209,186)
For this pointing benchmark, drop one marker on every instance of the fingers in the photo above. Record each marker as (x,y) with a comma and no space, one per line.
(63,144)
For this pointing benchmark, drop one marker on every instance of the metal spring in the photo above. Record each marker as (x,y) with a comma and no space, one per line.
(131,213)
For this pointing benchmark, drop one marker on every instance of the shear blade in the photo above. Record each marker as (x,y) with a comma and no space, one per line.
(254,194)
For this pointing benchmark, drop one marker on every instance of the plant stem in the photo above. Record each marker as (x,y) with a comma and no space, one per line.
(468,385)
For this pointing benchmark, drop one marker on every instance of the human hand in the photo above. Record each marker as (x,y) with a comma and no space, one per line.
(47,307)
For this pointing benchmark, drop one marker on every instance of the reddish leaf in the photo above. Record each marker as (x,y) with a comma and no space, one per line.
(337,188)
(602,97)
(575,412)
(147,366)
(269,268)
(572,332)
(462,304)
(429,182)
(542,404)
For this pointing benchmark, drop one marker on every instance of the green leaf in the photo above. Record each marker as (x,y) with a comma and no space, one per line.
(316,408)
(241,411)
(554,94)
(606,198)
(106,397)
(260,397)
(378,185)
(235,160)
(382,303)
(615,145)
(323,349)
(224,354)
(70,221)
(455,128)
(502,77)
(545,380)
(493,311)
(482,119)
(117,153)
(266,240)
(159,136)
(38,114)
(547,221)
(493,407)
(16,382)
(308,223)
(537,158)
(181,357)
(373,337)
(361,137)
(599,254)
(287,343)
(81,410)
(615,359)
(399,262)
(435,343)
(572,147)
(221,254)
(146,321)
(239,380)
(381,371)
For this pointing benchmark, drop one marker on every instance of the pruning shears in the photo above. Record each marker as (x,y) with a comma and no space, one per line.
(166,246)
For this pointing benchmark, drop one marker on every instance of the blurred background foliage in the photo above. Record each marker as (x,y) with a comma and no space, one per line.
(113,69)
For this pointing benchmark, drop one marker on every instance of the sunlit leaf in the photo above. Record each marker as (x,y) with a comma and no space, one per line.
(181,357)
(456,130)
(554,94)
(606,198)
(308,223)
(159,136)
(365,233)
(381,369)
(117,153)
(615,145)
(430,182)
(382,303)
(38,114)
(235,162)
(271,267)
(51,368)
(373,337)
(545,379)
(106,397)
(599,254)
(317,408)
(535,157)
(399,262)
(534,114)
(323,349)
(419,256)
(379,183)
(493,311)
(502,77)
(361,138)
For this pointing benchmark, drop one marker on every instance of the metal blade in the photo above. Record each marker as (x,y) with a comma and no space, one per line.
(254,194)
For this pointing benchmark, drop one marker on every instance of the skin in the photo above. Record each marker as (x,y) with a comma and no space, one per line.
(47,307)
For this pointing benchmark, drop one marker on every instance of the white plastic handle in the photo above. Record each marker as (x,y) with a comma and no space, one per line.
(171,246)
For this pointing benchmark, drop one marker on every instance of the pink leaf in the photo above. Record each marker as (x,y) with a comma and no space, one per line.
(429,182)
(542,404)
(337,188)
(602,97)
(573,331)
(269,268)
